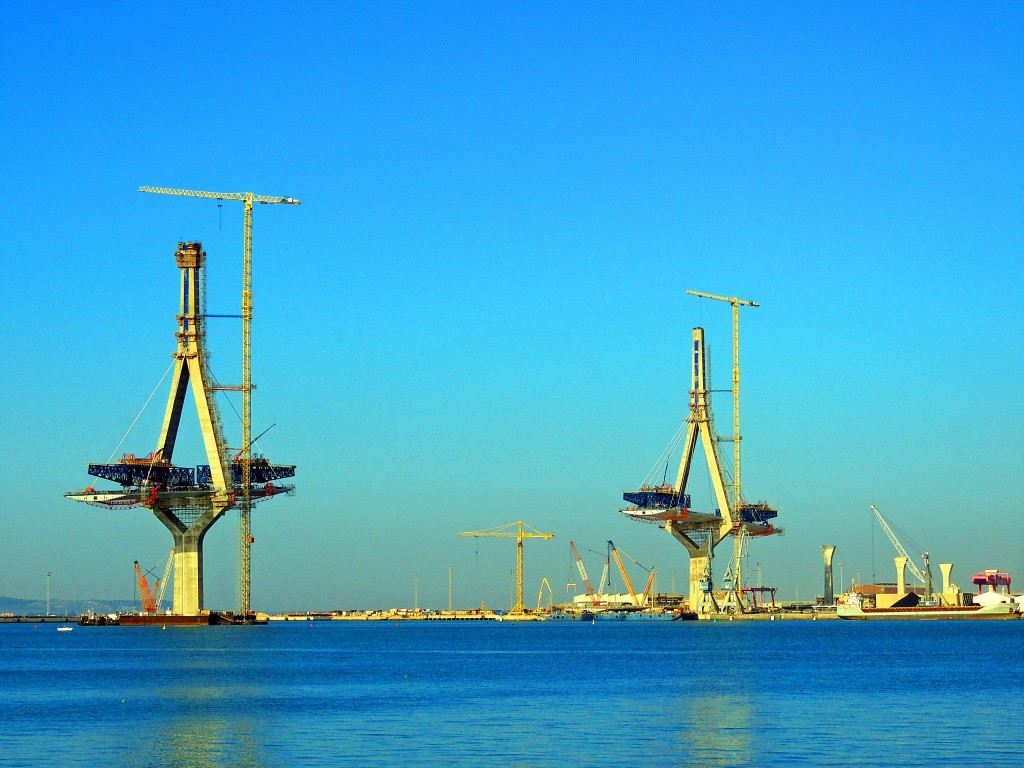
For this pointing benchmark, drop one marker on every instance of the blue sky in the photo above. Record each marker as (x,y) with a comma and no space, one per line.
(477,314)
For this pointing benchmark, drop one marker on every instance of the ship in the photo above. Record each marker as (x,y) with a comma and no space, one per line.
(854,608)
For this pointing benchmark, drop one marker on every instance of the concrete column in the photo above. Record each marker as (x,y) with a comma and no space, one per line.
(947,570)
(188,558)
(698,570)
(700,562)
(901,575)
(828,551)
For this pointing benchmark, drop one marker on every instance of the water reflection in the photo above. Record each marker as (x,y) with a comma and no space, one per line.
(715,731)
(201,735)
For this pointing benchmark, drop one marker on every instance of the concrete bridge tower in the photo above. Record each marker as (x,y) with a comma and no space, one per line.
(187,500)
(669,505)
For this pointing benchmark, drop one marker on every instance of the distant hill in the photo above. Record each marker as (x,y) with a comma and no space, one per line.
(20,607)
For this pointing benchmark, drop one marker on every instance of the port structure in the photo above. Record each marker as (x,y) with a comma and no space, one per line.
(669,505)
(923,576)
(245,503)
(188,500)
(505,532)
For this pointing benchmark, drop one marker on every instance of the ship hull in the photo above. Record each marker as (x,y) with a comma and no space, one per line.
(644,616)
(857,613)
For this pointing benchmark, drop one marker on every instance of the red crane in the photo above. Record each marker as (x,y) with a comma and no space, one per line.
(148,603)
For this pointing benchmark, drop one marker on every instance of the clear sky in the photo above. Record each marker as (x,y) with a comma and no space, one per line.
(477,315)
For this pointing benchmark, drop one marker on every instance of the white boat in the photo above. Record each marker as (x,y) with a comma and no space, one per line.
(64,629)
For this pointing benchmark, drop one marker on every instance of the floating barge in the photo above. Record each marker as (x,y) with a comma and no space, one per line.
(205,619)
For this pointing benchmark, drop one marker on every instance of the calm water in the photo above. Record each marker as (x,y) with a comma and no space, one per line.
(417,693)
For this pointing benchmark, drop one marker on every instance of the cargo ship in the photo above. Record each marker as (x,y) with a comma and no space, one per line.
(853,608)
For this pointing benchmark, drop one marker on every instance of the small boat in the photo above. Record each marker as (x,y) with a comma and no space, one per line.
(65,629)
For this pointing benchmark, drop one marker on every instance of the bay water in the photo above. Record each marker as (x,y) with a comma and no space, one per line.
(417,693)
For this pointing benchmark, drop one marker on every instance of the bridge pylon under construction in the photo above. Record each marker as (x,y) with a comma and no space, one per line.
(669,505)
(188,500)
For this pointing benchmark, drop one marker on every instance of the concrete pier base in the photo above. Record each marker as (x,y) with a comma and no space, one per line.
(188,557)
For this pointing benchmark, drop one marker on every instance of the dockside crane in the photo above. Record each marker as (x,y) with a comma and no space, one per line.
(245,506)
(504,532)
(734,573)
(583,573)
(640,602)
(925,576)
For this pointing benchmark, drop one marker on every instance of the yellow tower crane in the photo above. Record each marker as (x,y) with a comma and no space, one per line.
(245,455)
(503,532)
(737,491)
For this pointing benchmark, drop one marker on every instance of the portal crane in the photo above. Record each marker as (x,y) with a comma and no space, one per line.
(148,604)
(925,576)
(245,508)
(734,573)
(737,492)
(503,532)
(583,573)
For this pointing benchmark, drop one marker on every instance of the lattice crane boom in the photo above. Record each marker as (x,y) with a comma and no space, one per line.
(503,532)
(918,573)
(245,508)
(583,571)
(625,575)
(244,196)
(148,605)
(163,582)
